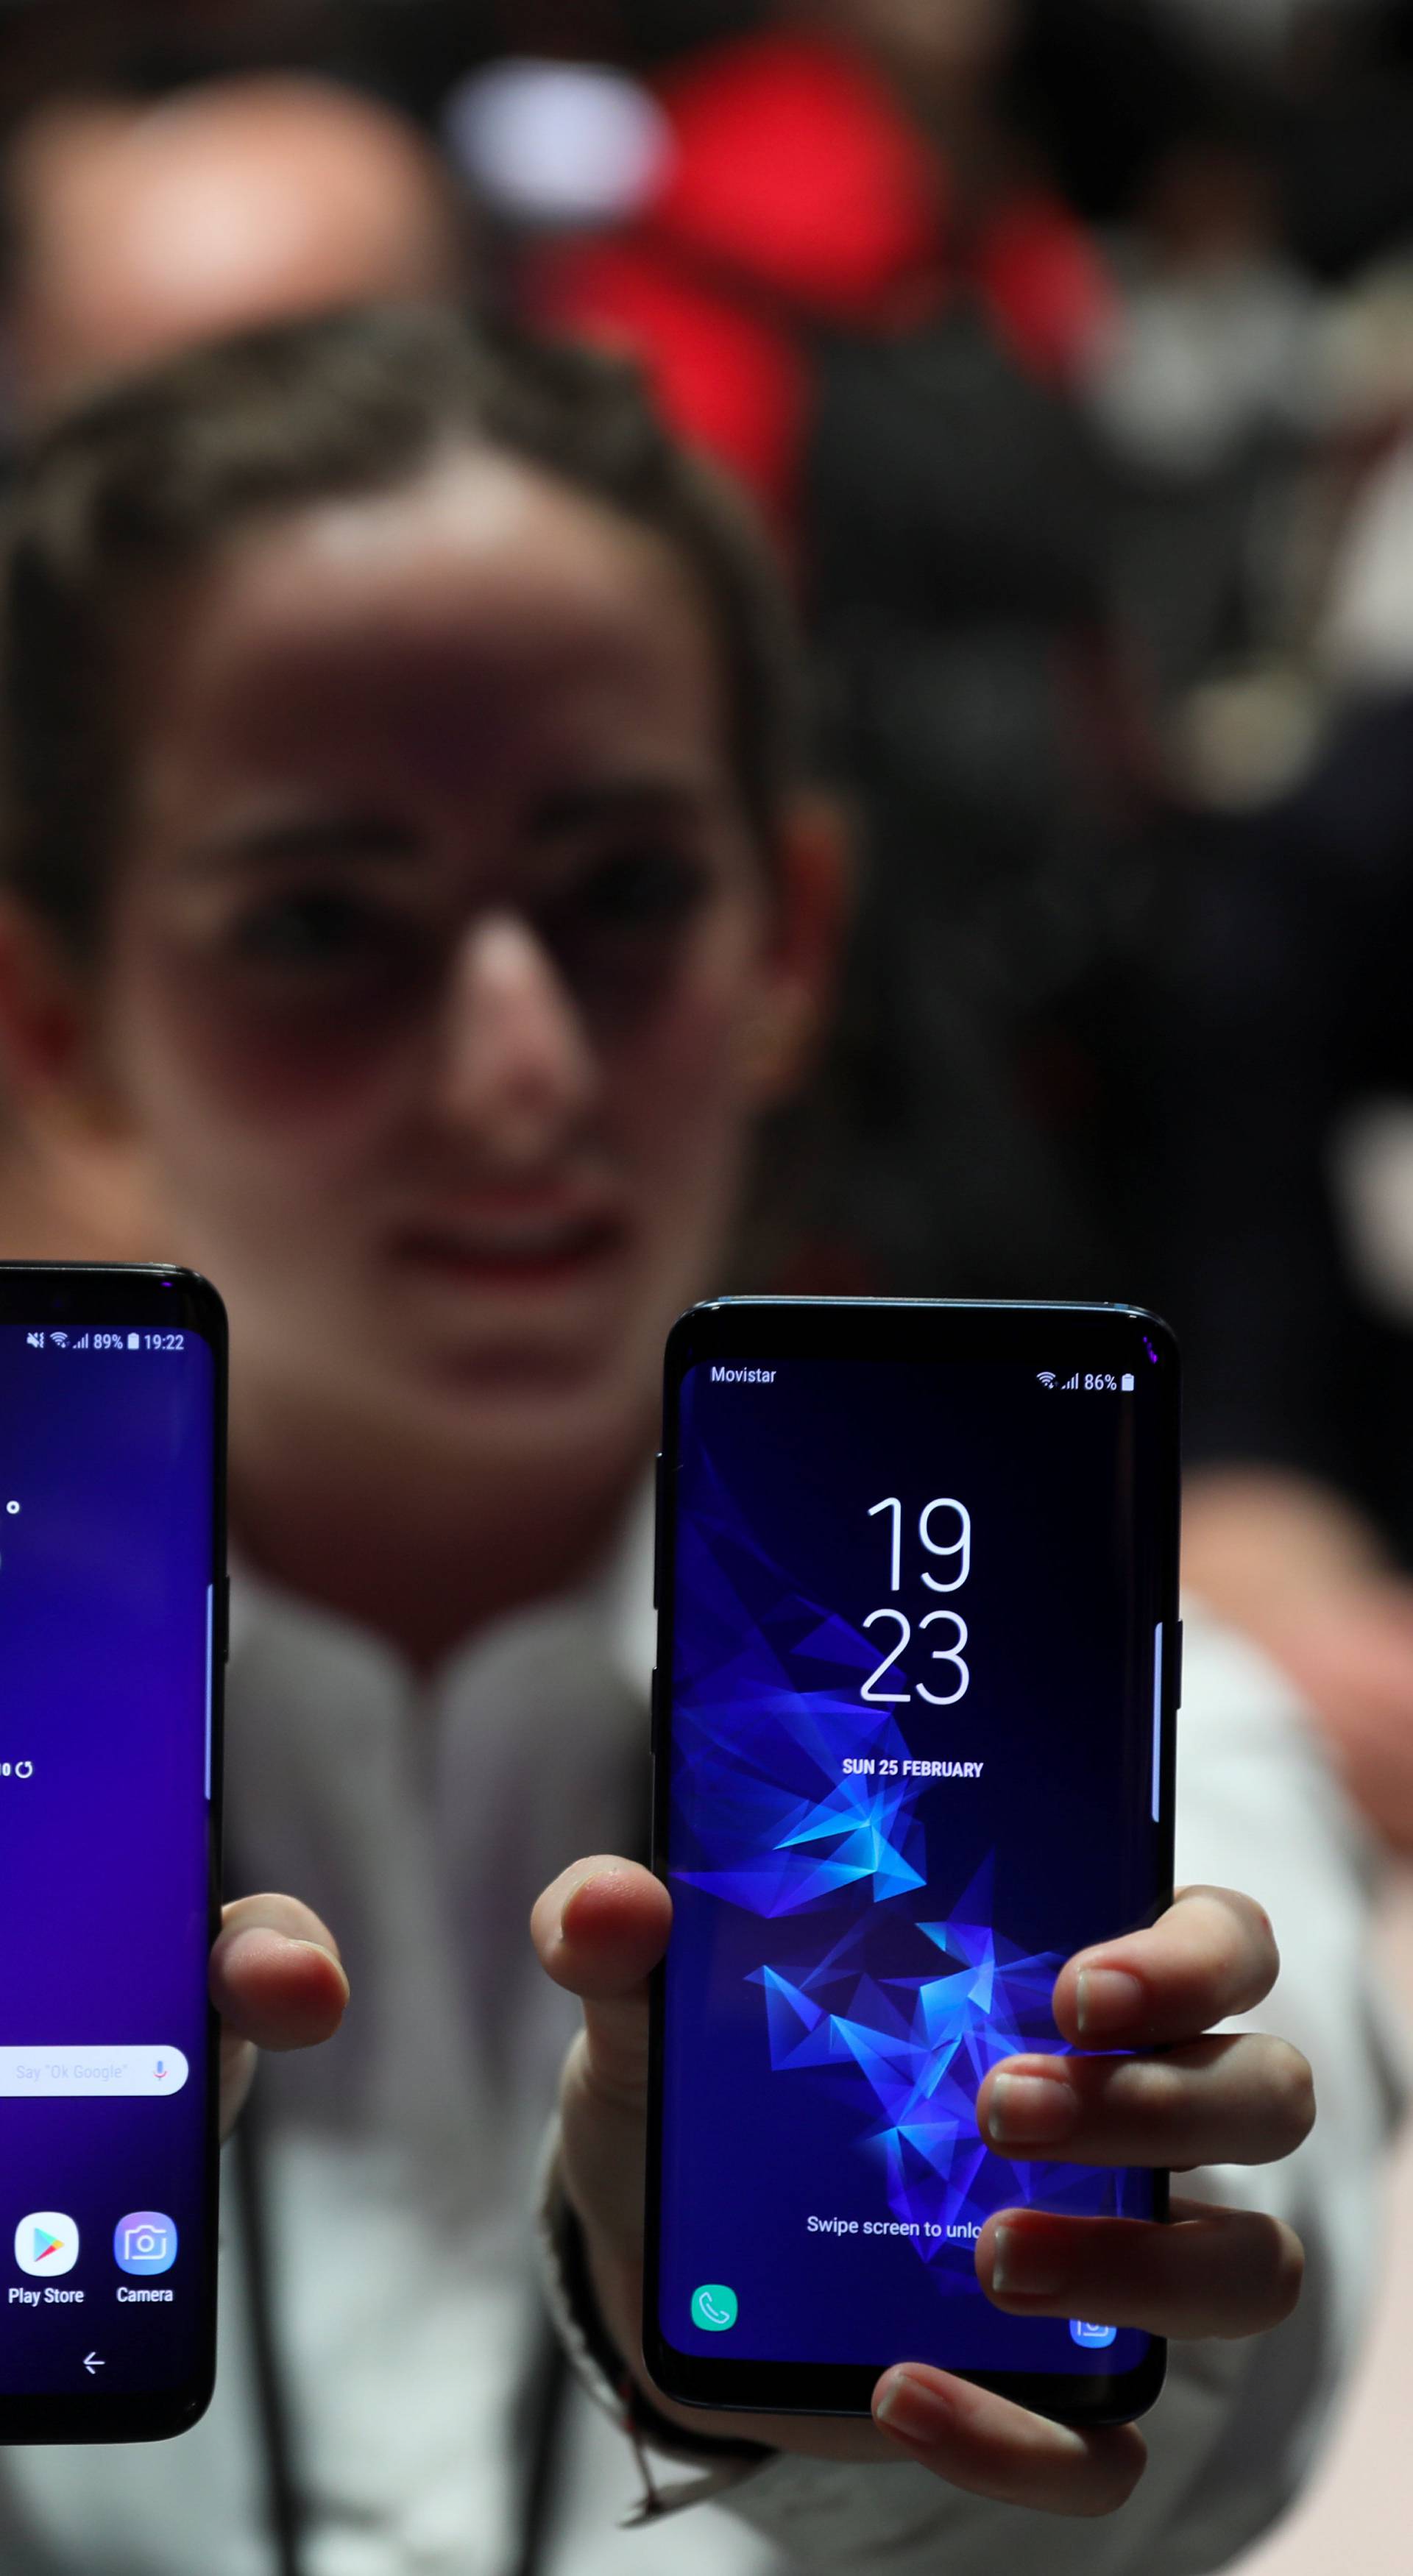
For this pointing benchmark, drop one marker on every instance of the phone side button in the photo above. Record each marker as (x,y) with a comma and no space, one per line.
(212,1597)
(657,1527)
(656,1707)
(1177,1663)
(1160,1660)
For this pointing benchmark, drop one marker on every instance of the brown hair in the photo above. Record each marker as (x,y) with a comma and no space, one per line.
(145,483)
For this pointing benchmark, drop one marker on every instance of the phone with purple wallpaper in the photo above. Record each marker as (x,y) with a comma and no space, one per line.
(917,1675)
(112,1641)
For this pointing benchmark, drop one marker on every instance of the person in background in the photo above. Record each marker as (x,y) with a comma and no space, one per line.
(840,172)
(852,285)
(1283,1207)
(127,230)
(406,846)
(132,229)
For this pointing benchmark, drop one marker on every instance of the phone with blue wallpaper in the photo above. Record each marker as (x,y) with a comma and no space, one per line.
(913,1737)
(112,1636)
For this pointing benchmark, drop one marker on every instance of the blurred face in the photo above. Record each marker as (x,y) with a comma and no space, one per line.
(232,203)
(443,977)
(926,39)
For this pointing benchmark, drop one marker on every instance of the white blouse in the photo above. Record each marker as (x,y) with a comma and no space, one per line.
(421,1821)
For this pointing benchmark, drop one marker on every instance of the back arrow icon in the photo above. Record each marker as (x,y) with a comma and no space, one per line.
(92,2363)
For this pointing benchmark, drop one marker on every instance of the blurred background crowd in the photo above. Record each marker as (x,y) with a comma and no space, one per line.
(1067,348)
(1068,351)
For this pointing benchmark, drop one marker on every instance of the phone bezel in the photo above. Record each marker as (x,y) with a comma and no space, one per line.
(1063,1336)
(154,1296)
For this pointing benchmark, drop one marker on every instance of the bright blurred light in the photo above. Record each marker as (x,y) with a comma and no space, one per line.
(1257,25)
(557,143)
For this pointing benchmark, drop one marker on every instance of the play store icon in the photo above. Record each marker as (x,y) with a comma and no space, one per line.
(46,2244)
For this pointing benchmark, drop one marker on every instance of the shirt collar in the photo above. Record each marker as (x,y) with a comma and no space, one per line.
(614,1605)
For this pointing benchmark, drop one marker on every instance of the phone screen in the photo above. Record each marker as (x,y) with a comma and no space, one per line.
(914,1761)
(109,1624)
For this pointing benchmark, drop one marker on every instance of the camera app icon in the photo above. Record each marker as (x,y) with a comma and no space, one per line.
(145,2242)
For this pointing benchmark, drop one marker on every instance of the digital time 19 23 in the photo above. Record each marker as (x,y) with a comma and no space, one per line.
(955,1552)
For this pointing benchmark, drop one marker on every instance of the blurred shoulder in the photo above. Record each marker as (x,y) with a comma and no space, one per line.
(1260,1803)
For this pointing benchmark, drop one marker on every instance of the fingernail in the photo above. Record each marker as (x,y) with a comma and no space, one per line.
(330,1957)
(261,1937)
(1030,2110)
(912,2408)
(591,1878)
(1026,2263)
(1106,2000)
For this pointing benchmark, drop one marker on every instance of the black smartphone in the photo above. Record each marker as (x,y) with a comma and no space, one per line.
(917,1667)
(112,1640)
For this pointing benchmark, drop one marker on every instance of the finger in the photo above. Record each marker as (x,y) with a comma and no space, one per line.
(1212,1954)
(1210,2271)
(276,1977)
(600,1930)
(276,1980)
(1242,2099)
(983,2443)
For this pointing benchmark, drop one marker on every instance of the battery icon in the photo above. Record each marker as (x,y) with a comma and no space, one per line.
(135,1344)
(1126,1383)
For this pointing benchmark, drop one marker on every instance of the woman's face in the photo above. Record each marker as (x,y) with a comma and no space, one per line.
(442,977)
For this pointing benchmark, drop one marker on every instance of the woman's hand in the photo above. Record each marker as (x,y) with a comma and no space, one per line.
(277,1982)
(1181,2099)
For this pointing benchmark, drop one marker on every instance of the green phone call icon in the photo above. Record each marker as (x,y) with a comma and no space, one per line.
(714,2307)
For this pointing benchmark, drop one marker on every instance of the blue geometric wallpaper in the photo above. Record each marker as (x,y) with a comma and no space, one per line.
(766,1819)
(874,1894)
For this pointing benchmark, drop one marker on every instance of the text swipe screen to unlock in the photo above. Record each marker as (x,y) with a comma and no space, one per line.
(105,1640)
(910,1775)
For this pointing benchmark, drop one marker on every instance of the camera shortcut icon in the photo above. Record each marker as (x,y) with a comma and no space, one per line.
(145,2242)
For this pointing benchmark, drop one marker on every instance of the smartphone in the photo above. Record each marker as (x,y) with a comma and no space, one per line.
(112,1640)
(918,1656)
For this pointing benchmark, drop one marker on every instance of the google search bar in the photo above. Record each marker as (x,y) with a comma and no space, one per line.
(48,2074)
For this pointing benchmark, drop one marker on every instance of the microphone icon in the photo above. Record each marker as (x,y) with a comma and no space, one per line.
(161,2067)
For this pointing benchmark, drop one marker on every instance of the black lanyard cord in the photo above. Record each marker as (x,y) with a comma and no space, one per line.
(283,2501)
(538,2414)
(540,2429)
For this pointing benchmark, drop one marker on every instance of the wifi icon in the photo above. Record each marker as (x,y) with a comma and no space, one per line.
(1046,1376)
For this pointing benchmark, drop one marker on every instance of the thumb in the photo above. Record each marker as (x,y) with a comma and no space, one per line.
(600,1929)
